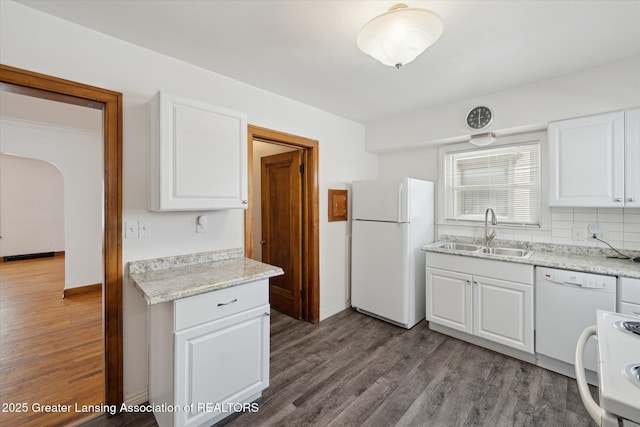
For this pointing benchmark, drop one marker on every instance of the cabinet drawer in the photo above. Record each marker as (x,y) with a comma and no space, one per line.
(630,309)
(215,305)
(630,290)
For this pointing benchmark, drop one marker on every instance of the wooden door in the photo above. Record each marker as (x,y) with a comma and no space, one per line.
(282,228)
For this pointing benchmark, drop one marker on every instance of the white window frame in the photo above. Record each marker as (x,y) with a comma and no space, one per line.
(545,210)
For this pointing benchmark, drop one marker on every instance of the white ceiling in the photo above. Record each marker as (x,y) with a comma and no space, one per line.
(306,50)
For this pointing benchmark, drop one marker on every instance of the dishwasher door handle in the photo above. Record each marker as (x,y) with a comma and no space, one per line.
(561,283)
(577,285)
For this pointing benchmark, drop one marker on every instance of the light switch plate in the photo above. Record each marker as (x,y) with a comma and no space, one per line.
(131,229)
(144,228)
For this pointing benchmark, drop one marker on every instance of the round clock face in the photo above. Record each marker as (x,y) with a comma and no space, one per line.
(479,117)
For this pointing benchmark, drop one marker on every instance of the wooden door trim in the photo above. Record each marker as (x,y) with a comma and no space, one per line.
(311,223)
(60,89)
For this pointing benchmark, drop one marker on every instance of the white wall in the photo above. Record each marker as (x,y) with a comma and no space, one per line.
(622,226)
(31,206)
(605,88)
(36,41)
(78,155)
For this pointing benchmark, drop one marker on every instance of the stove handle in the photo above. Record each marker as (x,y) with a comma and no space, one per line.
(590,405)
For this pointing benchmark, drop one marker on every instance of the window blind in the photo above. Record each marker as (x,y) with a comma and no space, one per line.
(505,178)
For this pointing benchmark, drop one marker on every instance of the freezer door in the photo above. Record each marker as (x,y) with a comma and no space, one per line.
(380,269)
(381,200)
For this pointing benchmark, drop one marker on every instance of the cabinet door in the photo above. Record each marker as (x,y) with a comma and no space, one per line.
(503,312)
(221,362)
(448,299)
(198,155)
(632,158)
(587,161)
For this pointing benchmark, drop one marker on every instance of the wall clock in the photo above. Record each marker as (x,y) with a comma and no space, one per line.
(479,117)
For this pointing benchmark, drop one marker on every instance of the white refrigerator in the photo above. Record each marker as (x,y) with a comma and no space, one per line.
(391,220)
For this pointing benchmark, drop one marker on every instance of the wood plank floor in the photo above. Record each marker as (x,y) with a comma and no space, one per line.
(353,370)
(51,349)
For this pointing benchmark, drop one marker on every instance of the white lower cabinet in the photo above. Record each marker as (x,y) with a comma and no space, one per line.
(449,299)
(629,296)
(503,312)
(498,308)
(209,354)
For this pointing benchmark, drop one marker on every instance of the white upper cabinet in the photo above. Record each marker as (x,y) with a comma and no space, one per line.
(632,158)
(593,160)
(198,155)
(587,161)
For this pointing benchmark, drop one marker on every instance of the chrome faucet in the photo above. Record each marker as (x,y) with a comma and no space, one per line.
(494,221)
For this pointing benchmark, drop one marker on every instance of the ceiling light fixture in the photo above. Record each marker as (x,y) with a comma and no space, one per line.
(483,139)
(398,36)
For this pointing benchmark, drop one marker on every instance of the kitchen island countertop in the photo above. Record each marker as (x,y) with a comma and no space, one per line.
(167,279)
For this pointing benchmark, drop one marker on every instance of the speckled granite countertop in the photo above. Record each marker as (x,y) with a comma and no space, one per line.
(578,258)
(167,279)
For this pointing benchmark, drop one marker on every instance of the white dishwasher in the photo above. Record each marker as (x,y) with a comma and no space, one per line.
(566,303)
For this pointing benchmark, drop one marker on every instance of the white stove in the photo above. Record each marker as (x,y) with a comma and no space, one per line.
(618,339)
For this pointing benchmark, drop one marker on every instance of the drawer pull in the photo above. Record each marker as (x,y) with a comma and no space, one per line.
(220,304)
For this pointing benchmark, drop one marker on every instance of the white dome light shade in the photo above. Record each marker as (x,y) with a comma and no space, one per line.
(397,37)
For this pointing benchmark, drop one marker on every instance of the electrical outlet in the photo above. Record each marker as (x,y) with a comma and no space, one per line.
(201,224)
(131,230)
(597,231)
(578,234)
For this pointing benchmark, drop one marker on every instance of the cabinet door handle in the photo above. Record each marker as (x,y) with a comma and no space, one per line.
(245,202)
(227,303)
(631,199)
(267,313)
(618,199)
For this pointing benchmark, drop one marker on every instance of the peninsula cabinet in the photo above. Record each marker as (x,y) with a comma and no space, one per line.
(209,354)
(593,160)
(629,296)
(198,155)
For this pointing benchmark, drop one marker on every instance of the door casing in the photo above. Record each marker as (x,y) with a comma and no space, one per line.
(310,220)
(49,87)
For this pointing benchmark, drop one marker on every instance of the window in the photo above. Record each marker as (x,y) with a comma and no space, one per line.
(505,178)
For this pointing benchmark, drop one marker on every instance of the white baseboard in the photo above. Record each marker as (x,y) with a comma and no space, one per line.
(137,398)
(334,309)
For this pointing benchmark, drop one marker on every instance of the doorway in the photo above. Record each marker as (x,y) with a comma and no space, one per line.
(42,86)
(307,256)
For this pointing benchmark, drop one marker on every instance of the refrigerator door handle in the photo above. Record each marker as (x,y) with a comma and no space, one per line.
(400,203)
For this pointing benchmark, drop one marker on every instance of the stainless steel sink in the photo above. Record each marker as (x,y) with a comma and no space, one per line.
(458,247)
(486,250)
(520,253)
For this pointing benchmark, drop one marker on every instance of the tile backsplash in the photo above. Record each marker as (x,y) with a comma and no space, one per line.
(569,226)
